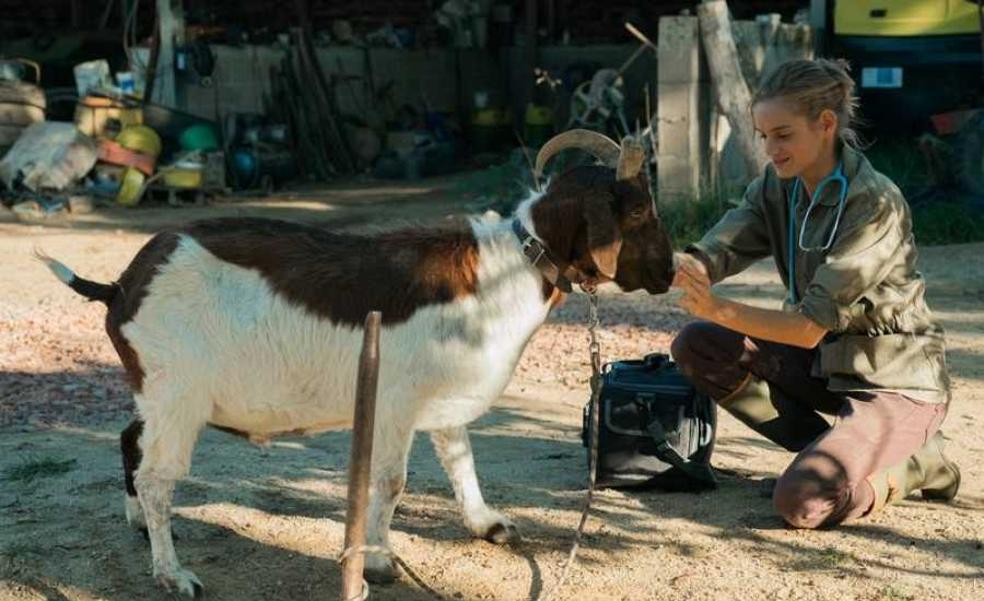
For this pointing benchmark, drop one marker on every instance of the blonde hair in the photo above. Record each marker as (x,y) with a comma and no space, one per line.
(813,86)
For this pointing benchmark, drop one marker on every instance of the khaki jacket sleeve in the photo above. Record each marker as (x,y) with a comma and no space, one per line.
(874,230)
(739,239)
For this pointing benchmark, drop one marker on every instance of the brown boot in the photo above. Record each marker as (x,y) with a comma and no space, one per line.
(793,428)
(928,470)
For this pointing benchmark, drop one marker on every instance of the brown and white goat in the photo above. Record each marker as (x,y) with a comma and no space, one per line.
(254,326)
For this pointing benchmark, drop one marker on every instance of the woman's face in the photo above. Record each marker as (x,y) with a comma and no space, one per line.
(796,145)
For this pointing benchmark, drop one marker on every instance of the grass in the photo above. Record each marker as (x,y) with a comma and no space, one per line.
(939,216)
(947,223)
(36,468)
(893,593)
(830,558)
(687,220)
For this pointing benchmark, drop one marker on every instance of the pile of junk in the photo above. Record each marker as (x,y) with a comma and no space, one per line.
(119,149)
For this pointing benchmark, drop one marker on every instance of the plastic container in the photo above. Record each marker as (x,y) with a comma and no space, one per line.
(199,137)
(140,138)
(131,186)
(491,129)
(115,154)
(539,125)
(184,175)
(93,114)
(92,75)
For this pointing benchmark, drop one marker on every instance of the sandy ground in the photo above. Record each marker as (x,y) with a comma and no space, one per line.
(260,523)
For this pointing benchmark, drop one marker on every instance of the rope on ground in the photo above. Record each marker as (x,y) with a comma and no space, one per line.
(595,350)
(347,553)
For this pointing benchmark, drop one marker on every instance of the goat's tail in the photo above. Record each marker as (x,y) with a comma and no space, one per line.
(93,291)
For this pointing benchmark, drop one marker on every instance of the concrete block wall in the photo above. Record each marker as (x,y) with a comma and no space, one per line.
(679,81)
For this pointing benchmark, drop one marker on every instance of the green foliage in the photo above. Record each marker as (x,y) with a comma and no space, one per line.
(687,220)
(947,223)
(902,162)
(894,593)
(830,558)
(939,215)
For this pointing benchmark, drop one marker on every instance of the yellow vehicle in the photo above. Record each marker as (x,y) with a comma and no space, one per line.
(910,58)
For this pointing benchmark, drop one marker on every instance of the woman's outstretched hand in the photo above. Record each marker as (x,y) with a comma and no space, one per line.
(691,277)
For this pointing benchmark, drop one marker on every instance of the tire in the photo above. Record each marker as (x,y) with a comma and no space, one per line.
(18,92)
(20,114)
(969,146)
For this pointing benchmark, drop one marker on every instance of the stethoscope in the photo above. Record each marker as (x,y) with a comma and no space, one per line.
(836,177)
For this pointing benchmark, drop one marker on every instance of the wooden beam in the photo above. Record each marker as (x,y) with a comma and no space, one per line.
(170,14)
(360,457)
(731,89)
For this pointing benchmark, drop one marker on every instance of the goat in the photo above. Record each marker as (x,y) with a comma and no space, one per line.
(254,326)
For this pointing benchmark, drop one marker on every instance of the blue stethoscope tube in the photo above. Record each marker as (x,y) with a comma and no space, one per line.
(837,177)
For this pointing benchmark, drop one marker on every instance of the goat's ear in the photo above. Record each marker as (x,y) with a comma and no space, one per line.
(604,237)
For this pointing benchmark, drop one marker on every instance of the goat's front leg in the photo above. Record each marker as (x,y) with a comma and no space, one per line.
(391,448)
(454,450)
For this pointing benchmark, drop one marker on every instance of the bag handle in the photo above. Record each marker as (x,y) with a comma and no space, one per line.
(701,472)
(655,361)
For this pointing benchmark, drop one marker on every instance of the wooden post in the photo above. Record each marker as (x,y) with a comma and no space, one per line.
(171,29)
(529,58)
(150,75)
(733,95)
(360,458)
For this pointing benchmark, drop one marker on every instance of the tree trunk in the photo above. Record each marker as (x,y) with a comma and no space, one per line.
(731,89)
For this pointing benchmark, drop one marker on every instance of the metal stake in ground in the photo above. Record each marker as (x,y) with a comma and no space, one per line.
(353,587)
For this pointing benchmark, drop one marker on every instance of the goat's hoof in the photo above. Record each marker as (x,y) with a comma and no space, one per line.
(183,582)
(145,533)
(501,533)
(491,526)
(380,571)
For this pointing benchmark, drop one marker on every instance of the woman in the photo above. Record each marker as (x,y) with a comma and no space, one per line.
(855,339)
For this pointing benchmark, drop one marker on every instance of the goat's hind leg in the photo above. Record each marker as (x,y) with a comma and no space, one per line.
(454,450)
(130,450)
(167,442)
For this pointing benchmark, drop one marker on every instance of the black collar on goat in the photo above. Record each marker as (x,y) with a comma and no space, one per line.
(541,258)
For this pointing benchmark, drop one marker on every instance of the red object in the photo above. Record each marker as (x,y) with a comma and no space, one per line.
(950,123)
(114,154)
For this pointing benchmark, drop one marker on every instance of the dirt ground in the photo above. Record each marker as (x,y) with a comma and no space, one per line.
(266,523)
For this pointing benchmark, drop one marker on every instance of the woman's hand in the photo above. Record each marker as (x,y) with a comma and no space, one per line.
(691,277)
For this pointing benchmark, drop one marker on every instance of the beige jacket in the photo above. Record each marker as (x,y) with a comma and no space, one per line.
(864,289)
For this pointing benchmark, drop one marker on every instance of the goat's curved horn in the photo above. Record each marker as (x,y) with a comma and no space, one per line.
(630,159)
(599,145)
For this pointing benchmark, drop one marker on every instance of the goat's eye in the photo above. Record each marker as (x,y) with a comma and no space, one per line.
(637,213)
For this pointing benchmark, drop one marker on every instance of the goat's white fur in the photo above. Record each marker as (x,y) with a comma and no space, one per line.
(219,346)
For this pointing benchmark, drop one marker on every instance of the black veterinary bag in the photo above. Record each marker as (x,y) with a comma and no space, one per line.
(655,430)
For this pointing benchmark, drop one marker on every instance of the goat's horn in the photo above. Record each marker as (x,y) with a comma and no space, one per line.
(630,159)
(599,145)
